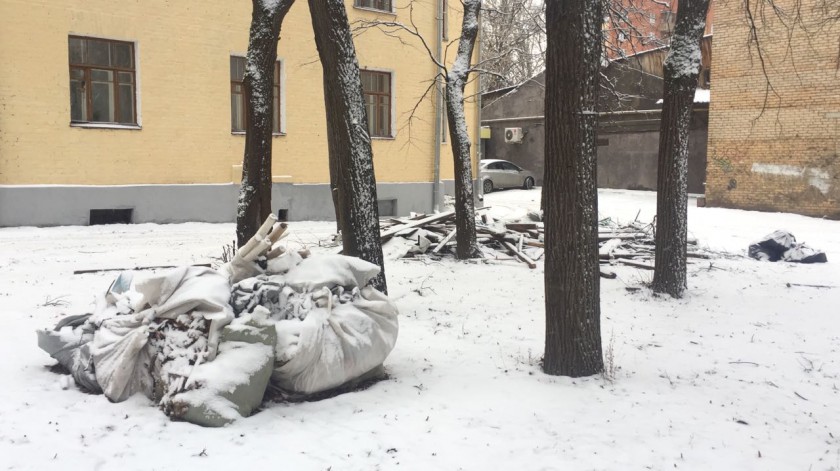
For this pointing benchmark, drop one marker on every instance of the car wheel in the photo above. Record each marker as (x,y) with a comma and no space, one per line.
(488,186)
(529,183)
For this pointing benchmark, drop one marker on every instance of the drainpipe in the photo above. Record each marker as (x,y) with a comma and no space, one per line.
(436,186)
(478,189)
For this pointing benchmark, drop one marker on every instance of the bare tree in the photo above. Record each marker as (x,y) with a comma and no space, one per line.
(454,80)
(351,157)
(255,192)
(513,34)
(681,71)
(572,284)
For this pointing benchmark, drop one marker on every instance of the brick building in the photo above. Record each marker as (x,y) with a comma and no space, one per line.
(774,140)
(634,26)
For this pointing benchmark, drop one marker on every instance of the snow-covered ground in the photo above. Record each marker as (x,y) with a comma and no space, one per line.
(741,374)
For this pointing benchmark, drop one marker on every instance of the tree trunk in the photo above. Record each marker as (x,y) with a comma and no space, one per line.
(255,192)
(572,284)
(456,79)
(334,163)
(349,140)
(681,70)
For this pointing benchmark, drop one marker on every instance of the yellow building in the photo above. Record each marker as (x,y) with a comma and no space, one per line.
(108,104)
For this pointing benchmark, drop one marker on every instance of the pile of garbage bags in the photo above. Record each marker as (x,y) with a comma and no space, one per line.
(205,344)
(782,245)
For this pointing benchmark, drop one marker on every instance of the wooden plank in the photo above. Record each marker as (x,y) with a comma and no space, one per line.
(608,274)
(631,263)
(444,241)
(607,256)
(521,227)
(520,255)
(419,222)
(154,267)
(602,236)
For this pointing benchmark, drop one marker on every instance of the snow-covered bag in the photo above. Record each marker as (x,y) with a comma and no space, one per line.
(349,329)
(782,245)
(69,344)
(120,358)
(120,350)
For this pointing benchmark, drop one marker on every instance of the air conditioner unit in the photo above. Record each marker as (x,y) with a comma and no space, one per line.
(513,135)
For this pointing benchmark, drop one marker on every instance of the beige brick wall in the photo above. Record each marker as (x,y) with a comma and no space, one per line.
(183,51)
(775,147)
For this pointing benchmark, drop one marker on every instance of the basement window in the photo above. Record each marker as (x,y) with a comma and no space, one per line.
(387,208)
(110,216)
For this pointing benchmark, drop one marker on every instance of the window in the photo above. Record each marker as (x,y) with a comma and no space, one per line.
(509,166)
(384,5)
(669,18)
(238,114)
(103,87)
(377,89)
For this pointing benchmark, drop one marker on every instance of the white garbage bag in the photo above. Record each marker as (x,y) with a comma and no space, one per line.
(349,330)
(120,358)
(120,350)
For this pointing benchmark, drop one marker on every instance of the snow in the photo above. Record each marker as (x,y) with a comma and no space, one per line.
(741,374)
(684,57)
(700,96)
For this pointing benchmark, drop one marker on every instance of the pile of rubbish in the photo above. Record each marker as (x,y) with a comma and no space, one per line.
(434,235)
(524,239)
(782,245)
(206,344)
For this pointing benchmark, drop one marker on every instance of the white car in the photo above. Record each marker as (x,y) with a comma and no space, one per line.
(496,174)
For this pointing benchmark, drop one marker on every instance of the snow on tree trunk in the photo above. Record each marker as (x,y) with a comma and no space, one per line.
(255,193)
(456,79)
(681,70)
(572,284)
(349,141)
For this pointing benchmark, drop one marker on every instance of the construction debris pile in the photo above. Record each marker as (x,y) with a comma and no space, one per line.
(206,345)
(782,246)
(634,245)
(434,236)
(523,240)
